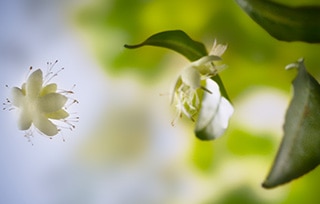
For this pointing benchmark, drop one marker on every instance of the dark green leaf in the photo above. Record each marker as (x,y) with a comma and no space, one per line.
(222,88)
(299,151)
(284,22)
(178,41)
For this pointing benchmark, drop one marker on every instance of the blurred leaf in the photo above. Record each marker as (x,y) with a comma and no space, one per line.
(284,22)
(178,41)
(243,194)
(242,142)
(299,152)
(203,156)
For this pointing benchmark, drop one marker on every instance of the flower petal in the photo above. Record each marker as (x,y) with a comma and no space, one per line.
(221,120)
(23,89)
(45,126)
(25,120)
(206,59)
(52,102)
(210,104)
(60,114)
(34,83)
(191,77)
(17,96)
(50,88)
(218,49)
(214,114)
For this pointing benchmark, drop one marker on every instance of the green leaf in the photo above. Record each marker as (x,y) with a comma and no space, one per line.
(176,40)
(284,22)
(299,151)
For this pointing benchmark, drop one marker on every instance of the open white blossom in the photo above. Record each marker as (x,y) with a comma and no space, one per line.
(40,102)
(194,78)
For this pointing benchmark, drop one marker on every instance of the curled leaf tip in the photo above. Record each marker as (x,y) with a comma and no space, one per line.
(132,46)
(266,185)
(295,64)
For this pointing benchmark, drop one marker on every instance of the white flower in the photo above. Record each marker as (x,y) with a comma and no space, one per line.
(194,78)
(39,103)
(214,115)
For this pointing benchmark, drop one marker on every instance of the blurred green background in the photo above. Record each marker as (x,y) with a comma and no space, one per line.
(129,152)
(238,162)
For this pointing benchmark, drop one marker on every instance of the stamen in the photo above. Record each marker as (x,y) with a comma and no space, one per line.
(50,74)
(73,101)
(48,78)
(67,92)
(62,135)
(68,125)
(205,89)
(7,105)
(50,66)
(74,120)
(28,134)
(28,73)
